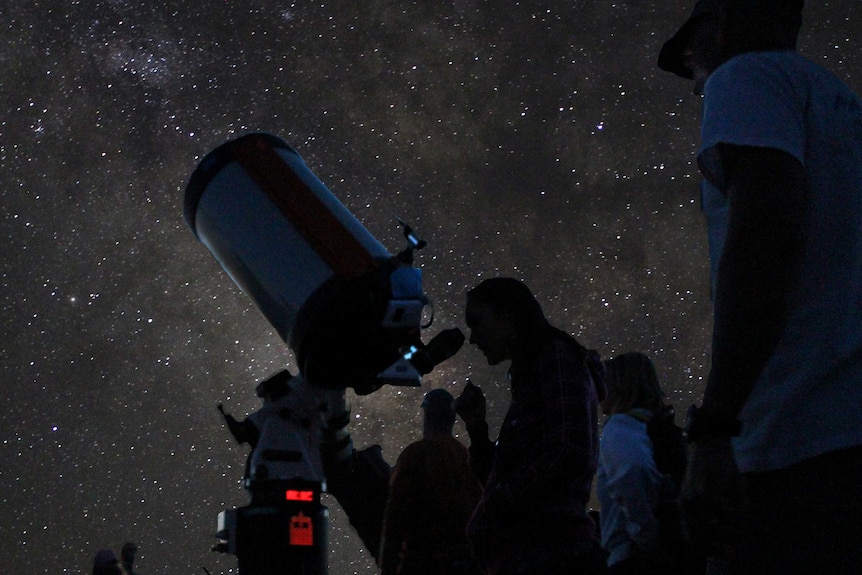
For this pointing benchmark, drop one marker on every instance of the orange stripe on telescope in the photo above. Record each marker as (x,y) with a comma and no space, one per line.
(277,231)
(317,275)
(311,217)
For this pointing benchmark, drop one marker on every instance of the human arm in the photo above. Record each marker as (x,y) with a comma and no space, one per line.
(243,431)
(754,137)
(766,191)
(766,194)
(471,406)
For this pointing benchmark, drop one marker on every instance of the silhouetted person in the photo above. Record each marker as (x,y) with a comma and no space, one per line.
(106,563)
(127,553)
(641,461)
(781,155)
(249,429)
(432,495)
(532,517)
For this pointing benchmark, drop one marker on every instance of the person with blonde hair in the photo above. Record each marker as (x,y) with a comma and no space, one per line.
(641,461)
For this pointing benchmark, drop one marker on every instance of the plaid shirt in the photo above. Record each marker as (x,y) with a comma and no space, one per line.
(540,472)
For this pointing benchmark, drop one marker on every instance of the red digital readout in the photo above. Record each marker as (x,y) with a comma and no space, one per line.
(299,495)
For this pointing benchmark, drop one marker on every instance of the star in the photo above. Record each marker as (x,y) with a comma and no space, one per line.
(536,141)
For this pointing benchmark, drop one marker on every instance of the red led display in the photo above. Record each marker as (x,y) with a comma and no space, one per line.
(299,495)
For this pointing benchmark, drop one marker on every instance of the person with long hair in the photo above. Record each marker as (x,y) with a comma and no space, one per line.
(639,476)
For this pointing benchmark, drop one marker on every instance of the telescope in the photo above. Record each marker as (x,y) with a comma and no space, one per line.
(347,307)
(349,310)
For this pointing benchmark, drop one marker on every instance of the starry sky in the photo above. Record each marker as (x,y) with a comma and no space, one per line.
(532,139)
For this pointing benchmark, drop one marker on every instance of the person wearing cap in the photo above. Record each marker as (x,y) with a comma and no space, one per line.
(532,519)
(106,563)
(248,430)
(432,494)
(777,442)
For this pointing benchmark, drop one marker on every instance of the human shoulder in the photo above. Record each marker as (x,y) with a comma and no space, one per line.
(624,424)
(622,430)
(756,76)
(625,440)
(562,350)
(758,64)
(776,74)
(453,443)
(757,100)
(412,453)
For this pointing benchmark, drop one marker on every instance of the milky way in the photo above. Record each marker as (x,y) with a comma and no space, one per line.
(532,139)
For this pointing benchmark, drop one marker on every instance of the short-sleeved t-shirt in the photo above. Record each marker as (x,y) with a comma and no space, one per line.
(808,399)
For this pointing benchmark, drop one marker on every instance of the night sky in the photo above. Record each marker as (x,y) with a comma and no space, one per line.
(532,139)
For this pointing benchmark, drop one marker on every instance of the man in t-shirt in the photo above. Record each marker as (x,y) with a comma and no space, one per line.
(781,155)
